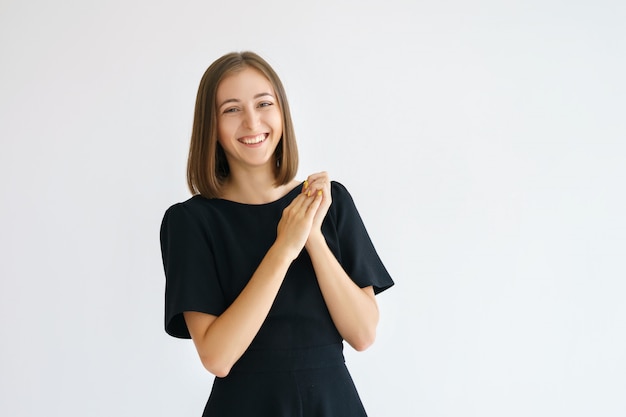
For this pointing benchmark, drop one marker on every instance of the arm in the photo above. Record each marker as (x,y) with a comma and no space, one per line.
(353,309)
(221,340)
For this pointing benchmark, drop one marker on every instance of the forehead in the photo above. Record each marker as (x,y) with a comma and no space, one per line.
(244,84)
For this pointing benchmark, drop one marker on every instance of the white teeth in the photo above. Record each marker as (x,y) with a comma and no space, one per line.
(252,141)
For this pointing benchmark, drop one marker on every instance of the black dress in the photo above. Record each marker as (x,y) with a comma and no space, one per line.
(295,365)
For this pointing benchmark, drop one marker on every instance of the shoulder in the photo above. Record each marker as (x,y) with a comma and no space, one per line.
(194,210)
(340,193)
(181,209)
(194,205)
(342,206)
(339,190)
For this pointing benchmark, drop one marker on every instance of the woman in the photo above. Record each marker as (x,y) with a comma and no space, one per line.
(266,274)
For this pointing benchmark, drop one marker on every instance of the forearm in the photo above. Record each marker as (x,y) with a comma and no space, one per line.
(353,310)
(226,338)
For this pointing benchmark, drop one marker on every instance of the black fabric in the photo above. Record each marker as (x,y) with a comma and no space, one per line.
(211,248)
(316,392)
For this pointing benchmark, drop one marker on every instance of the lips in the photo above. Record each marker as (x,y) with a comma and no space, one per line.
(253,140)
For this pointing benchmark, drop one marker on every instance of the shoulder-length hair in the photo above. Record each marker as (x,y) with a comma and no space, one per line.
(207,167)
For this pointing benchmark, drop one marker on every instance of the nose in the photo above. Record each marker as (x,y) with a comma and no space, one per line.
(251,118)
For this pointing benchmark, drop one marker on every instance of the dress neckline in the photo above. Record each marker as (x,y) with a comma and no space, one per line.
(237,203)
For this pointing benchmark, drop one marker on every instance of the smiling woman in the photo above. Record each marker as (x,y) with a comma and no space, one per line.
(268,275)
(249,121)
(208,168)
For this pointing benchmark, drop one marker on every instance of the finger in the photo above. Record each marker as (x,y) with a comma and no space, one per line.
(298,202)
(317,184)
(300,209)
(314,204)
(317,179)
(301,203)
(317,188)
(312,189)
(315,175)
(312,180)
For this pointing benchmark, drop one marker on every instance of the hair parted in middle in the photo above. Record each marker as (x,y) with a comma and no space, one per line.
(207,167)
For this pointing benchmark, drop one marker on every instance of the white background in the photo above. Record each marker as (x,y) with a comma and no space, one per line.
(483,142)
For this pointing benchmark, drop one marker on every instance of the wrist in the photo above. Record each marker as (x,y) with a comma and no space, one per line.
(283,253)
(316,239)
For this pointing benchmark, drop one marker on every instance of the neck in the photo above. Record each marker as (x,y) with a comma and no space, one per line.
(253,186)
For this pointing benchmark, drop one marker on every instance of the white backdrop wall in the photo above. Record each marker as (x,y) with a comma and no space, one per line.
(483,142)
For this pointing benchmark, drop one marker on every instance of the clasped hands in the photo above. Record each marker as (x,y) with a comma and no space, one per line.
(301,222)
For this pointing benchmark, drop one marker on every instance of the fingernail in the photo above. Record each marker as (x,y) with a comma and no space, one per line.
(319,192)
(306,184)
(308,194)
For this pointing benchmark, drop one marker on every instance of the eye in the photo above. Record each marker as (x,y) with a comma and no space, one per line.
(265,104)
(230,110)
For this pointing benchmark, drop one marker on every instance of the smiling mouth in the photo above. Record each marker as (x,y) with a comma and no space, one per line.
(253,140)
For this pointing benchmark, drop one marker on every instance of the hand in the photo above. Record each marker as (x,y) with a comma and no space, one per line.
(295,224)
(318,184)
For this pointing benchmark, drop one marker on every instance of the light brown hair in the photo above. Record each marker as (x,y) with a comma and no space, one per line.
(207,167)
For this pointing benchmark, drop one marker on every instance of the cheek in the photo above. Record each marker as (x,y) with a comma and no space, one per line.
(223,138)
(277,122)
(225,129)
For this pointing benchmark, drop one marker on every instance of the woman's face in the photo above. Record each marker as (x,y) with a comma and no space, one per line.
(249,120)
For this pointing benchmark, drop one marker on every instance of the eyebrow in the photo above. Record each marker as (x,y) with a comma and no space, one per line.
(236,100)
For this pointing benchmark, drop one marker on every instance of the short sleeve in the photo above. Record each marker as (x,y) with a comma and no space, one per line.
(191,281)
(358,255)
